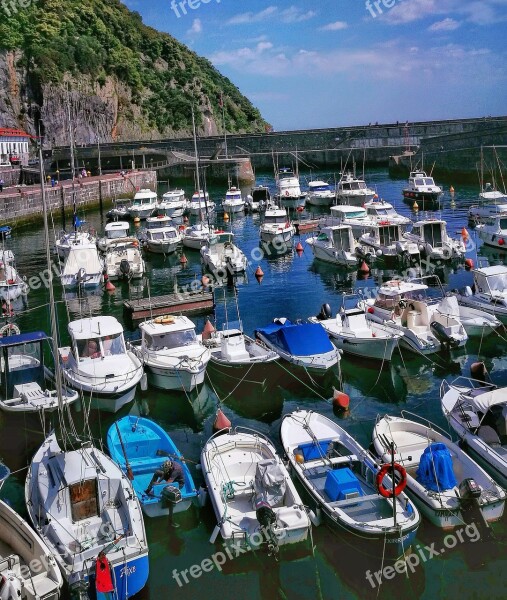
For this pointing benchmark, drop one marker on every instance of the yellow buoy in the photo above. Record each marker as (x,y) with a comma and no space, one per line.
(415,206)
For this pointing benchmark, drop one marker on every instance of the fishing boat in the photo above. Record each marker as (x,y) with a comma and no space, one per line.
(354,334)
(477,412)
(140,446)
(339,476)
(386,241)
(196,236)
(255,502)
(83,268)
(430,234)
(161,235)
(144,204)
(335,244)
(488,291)
(422,189)
(447,486)
(304,344)
(120,209)
(353,190)
(173,203)
(123,259)
(380,210)
(173,357)
(233,202)
(28,384)
(492,230)
(491,203)
(98,363)
(113,232)
(276,227)
(288,189)
(320,193)
(258,198)
(72,239)
(27,568)
(200,204)
(220,254)
(12,285)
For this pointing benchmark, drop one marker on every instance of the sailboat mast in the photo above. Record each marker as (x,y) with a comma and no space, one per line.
(196,157)
(72,163)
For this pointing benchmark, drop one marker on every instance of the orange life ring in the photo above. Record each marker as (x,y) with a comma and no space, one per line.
(383,491)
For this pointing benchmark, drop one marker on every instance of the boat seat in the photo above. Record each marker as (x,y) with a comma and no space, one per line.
(469,418)
(489,435)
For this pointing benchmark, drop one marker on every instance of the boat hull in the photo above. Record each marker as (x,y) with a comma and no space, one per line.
(174,379)
(330,255)
(163,248)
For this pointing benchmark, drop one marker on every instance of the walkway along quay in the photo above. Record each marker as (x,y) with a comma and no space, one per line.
(23,204)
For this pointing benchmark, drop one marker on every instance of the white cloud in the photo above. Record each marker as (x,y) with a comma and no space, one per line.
(296,15)
(445,25)
(196,28)
(336,26)
(250,17)
(478,12)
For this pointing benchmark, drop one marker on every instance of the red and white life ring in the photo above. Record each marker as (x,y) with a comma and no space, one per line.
(400,486)
(9,329)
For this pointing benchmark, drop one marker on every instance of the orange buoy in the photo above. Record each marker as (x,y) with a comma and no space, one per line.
(415,206)
(300,209)
(181,228)
(109,287)
(137,220)
(183,259)
(464,234)
(299,247)
(259,274)
(478,371)
(226,216)
(221,421)
(364,268)
(451,189)
(375,196)
(208,330)
(469,264)
(340,399)
(205,280)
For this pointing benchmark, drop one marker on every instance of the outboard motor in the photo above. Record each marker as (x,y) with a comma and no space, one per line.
(81,275)
(470,493)
(325,312)
(125,268)
(438,330)
(264,513)
(10,586)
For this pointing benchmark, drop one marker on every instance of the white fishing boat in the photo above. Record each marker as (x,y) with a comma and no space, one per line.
(233,202)
(320,193)
(422,189)
(173,357)
(354,334)
(144,204)
(173,203)
(220,254)
(493,231)
(113,232)
(447,486)
(380,210)
(288,189)
(406,307)
(83,267)
(67,240)
(335,244)
(162,237)
(354,216)
(276,228)
(123,259)
(386,241)
(196,236)
(98,363)
(475,321)
(255,502)
(258,198)
(353,190)
(28,570)
(120,209)
(28,384)
(492,202)
(339,476)
(430,234)
(12,285)
(477,412)
(200,205)
(488,291)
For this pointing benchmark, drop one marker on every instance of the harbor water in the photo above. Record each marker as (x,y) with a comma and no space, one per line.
(294,286)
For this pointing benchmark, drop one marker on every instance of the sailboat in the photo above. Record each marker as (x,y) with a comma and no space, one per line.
(81,504)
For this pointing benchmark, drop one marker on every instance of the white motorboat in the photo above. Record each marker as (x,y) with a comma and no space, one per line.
(162,237)
(475,321)
(405,306)
(320,193)
(492,230)
(304,344)
(380,210)
(98,363)
(113,232)
(477,412)
(355,216)
(200,204)
(173,357)
(353,190)
(288,189)
(27,381)
(27,569)
(83,267)
(120,209)
(386,241)
(422,189)
(258,198)
(492,202)
(488,291)
(12,285)
(335,244)
(434,242)
(173,203)
(123,259)
(255,501)
(233,202)
(276,227)
(354,334)
(339,476)
(442,480)
(67,240)
(196,236)
(144,204)
(220,255)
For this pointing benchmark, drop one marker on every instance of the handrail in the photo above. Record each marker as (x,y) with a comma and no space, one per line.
(430,423)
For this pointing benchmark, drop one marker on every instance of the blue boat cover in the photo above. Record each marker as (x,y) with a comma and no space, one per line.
(435,468)
(301,339)
(23,338)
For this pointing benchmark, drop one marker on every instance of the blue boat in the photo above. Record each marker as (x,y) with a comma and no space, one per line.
(147,446)
(303,344)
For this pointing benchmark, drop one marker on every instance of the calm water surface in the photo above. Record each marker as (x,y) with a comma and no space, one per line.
(294,286)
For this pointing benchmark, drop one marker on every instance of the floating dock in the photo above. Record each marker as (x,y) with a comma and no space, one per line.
(182,304)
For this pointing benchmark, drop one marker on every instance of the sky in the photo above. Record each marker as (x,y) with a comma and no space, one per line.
(333,63)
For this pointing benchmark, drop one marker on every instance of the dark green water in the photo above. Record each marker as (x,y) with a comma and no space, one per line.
(293,286)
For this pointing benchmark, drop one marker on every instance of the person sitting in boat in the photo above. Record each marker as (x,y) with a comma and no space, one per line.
(91,350)
(170,472)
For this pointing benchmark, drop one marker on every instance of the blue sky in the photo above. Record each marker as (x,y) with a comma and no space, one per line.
(335,62)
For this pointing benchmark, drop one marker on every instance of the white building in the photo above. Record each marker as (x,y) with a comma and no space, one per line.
(13,146)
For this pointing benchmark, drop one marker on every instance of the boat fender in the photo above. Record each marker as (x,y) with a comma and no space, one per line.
(103,579)
(403,304)
(400,486)
(325,312)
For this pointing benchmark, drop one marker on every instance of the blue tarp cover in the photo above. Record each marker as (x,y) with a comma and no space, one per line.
(302,339)
(435,468)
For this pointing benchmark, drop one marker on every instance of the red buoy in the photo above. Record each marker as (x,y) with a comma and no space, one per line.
(464,234)
(364,268)
(259,274)
(299,247)
(109,287)
(469,263)
(185,219)
(183,259)
(103,579)
(208,330)
(300,208)
(340,399)
(221,421)
(205,280)
(501,242)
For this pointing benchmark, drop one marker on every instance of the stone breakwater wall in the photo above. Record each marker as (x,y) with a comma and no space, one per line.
(20,205)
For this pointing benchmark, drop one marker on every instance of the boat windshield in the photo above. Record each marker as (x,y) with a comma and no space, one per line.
(341,240)
(155,235)
(89,348)
(388,234)
(275,219)
(172,339)
(113,345)
(114,234)
(419,181)
(24,365)
(496,283)
(503,223)
(233,196)
(429,181)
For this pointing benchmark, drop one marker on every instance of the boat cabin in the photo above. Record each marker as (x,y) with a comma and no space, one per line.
(340,237)
(168,332)
(260,194)
(346,213)
(233,194)
(433,232)
(386,235)
(275,217)
(160,222)
(491,281)
(420,179)
(116,230)
(174,196)
(144,197)
(95,338)
(390,294)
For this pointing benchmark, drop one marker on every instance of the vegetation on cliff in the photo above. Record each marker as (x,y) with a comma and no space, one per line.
(100,39)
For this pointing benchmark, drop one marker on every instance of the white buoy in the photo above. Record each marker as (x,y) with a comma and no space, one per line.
(315,517)
(202,498)
(214,535)
(144,382)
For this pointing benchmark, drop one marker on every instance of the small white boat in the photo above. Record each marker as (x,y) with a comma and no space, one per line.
(423,189)
(221,255)
(475,321)
(233,202)
(68,240)
(120,209)
(123,259)
(83,267)
(386,241)
(200,204)
(288,187)
(112,232)
(488,291)
(354,334)
(339,476)
(433,240)
(258,198)
(144,204)
(380,210)
(477,412)
(335,244)
(162,237)
(28,571)
(320,193)
(173,203)
(353,190)
(12,285)
(255,502)
(491,203)
(276,227)
(98,363)
(355,216)
(441,479)
(493,231)
(196,236)
(173,357)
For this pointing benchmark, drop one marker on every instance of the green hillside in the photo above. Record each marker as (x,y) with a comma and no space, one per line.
(100,39)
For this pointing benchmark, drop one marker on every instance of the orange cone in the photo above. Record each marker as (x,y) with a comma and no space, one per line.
(208,330)
(221,421)
(364,268)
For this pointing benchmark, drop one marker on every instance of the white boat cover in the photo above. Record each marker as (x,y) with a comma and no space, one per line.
(86,257)
(270,482)
(488,399)
(449,306)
